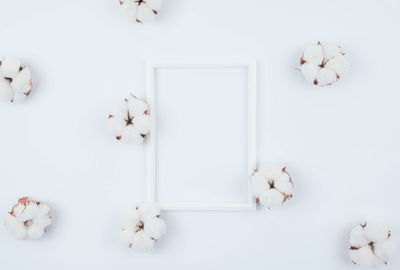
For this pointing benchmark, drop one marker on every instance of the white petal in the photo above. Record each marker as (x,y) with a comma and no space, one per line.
(120,109)
(271,171)
(357,237)
(22,82)
(339,64)
(313,54)
(136,106)
(15,227)
(325,76)
(148,210)
(271,198)
(130,7)
(18,97)
(145,13)
(142,123)
(309,71)
(155,227)
(9,67)
(130,218)
(142,242)
(331,50)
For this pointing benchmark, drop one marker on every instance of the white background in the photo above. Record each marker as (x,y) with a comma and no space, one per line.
(340,143)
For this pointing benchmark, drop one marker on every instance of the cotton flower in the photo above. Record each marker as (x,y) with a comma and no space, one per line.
(323,64)
(142,226)
(271,185)
(371,245)
(28,219)
(15,80)
(130,121)
(142,10)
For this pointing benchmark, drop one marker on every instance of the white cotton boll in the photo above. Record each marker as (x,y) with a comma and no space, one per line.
(15,227)
(155,227)
(142,242)
(271,198)
(271,185)
(130,218)
(148,210)
(371,244)
(9,67)
(325,76)
(323,64)
(15,80)
(313,54)
(141,226)
(142,123)
(28,219)
(130,121)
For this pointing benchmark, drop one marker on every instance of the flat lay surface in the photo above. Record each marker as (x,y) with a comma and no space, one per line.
(340,143)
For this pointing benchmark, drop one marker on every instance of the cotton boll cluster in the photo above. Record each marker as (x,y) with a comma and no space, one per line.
(15,80)
(142,226)
(130,121)
(141,10)
(271,185)
(371,245)
(323,64)
(28,219)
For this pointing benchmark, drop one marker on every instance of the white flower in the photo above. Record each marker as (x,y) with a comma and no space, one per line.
(142,226)
(15,80)
(28,219)
(323,64)
(129,120)
(371,245)
(271,185)
(142,10)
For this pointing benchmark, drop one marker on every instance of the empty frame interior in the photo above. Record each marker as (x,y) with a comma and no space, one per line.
(202,142)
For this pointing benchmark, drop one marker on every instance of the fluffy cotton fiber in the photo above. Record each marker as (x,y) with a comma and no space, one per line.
(129,120)
(28,219)
(323,64)
(142,226)
(15,80)
(371,244)
(271,186)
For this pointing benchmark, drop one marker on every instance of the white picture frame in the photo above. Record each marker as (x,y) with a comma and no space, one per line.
(151,66)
